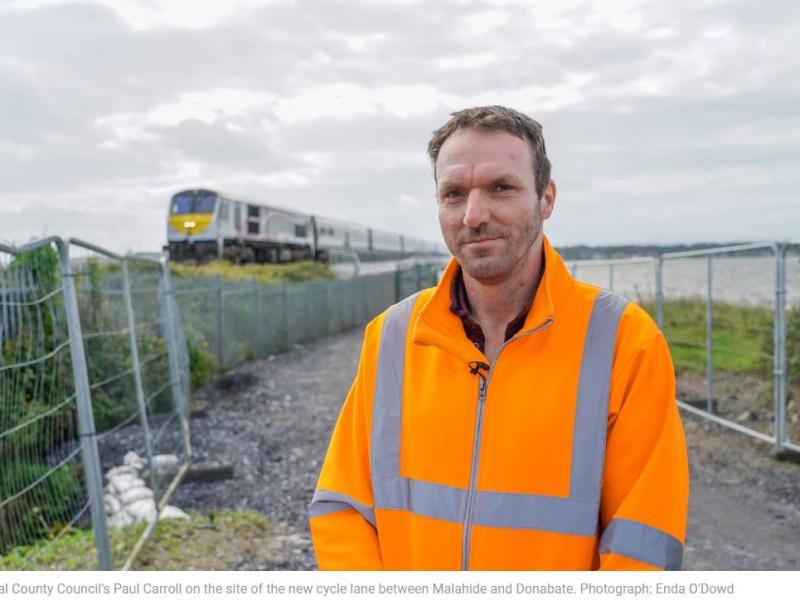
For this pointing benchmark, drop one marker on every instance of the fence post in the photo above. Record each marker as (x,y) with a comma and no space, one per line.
(256,319)
(709,335)
(611,277)
(329,307)
(574,270)
(179,398)
(83,397)
(286,318)
(398,283)
(660,293)
(779,346)
(307,291)
(137,374)
(218,329)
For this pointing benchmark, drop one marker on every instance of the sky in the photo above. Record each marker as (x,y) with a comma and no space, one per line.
(665,122)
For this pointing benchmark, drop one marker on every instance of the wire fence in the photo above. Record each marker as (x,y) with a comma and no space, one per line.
(238,321)
(95,355)
(732,319)
(92,366)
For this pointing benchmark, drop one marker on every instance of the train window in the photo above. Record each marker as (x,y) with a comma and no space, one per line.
(252,227)
(252,211)
(300,231)
(204,202)
(182,203)
(237,217)
(223,212)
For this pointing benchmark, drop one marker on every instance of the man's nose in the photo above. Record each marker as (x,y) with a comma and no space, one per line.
(477,212)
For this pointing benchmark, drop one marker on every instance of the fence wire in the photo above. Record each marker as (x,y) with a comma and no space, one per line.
(236,321)
(732,321)
(92,366)
(791,344)
(42,487)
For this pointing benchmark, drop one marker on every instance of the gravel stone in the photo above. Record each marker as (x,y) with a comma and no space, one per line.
(272,419)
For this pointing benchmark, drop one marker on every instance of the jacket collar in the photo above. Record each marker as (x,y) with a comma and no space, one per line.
(437,325)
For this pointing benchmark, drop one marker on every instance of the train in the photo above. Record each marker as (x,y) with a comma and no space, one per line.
(204,224)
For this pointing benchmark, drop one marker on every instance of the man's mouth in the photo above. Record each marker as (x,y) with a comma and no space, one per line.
(480,241)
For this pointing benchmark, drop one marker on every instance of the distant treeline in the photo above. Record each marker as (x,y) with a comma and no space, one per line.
(600,252)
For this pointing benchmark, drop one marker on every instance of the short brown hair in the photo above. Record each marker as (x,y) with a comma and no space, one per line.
(497,118)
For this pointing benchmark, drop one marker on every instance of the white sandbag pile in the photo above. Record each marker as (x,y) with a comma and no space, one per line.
(127,498)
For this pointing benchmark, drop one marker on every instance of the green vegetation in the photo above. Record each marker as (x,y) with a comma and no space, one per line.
(213,542)
(265,273)
(742,335)
(203,365)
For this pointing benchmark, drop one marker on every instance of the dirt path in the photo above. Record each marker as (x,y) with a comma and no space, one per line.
(272,420)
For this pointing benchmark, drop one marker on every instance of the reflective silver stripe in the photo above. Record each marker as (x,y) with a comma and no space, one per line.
(387,485)
(643,543)
(577,515)
(325,502)
(528,511)
(591,412)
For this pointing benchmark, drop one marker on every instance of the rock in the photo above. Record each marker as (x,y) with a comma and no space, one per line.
(121,483)
(142,510)
(134,460)
(132,495)
(121,519)
(164,463)
(121,470)
(172,512)
(746,416)
(111,504)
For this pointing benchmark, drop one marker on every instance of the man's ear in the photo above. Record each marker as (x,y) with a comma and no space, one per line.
(549,199)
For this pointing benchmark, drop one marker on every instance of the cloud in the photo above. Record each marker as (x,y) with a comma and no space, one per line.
(664,122)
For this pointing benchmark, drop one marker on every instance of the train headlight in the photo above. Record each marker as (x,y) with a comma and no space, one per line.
(188,226)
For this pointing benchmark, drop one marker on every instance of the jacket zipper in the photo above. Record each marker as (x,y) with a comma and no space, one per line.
(476,444)
(473,475)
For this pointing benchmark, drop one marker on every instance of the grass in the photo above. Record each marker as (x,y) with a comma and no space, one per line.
(265,273)
(215,542)
(741,335)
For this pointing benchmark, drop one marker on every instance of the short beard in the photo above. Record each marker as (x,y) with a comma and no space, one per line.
(500,267)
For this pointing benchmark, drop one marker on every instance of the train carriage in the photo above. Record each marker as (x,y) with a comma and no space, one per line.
(203,224)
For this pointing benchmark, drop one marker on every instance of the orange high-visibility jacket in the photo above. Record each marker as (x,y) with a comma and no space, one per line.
(567,454)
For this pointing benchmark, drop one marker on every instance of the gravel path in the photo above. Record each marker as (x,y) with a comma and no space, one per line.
(272,419)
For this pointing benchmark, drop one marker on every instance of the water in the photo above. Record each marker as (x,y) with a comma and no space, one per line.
(737,280)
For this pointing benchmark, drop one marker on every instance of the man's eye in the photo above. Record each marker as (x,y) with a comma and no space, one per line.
(451,194)
(502,187)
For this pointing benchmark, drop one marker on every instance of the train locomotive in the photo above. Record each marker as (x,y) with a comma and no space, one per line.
(203,225)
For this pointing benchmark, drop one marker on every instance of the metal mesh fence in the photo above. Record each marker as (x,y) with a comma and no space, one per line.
(237,321)
(733,327)
(791,344)
(42,485)
(633,278)
(92,366)
(719,318)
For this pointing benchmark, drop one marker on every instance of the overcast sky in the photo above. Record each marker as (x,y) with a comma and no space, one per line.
(665,121)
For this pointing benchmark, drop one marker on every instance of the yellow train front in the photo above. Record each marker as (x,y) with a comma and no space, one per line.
(203,224)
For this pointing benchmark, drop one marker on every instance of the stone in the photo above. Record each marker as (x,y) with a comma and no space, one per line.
(142,510)
(121,470)
(134,460)
(124,482)
(132,495)
(173,512)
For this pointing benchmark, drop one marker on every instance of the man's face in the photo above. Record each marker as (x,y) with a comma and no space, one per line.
(489,211)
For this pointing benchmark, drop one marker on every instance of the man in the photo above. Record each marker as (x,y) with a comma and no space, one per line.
(512,417)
